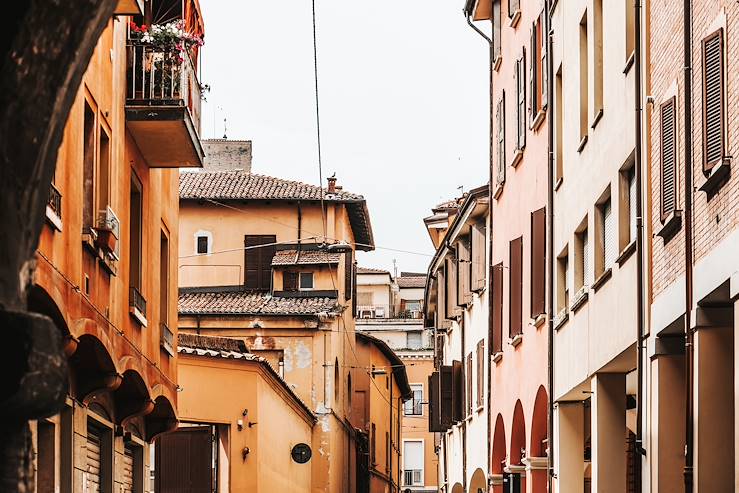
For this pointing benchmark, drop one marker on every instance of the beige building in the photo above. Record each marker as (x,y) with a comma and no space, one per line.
(391,309)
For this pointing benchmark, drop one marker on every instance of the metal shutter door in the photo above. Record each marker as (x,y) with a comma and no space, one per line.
(93,477)
(128,465)
(609,236)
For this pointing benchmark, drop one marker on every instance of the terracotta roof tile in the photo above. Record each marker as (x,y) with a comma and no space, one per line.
(412,282)
(370,270)
(239,302)
(305,257)
(233,185)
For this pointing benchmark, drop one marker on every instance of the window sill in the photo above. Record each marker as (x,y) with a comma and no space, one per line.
(562,317)
(138,316)
(582,143)
(602,279)
(629,63)
(597,118)
(497,62)
(517,157)
(513,22)
(626,253)
(580,299)
(497,356)
(517,339)
(108,264)
(671,226)
(498,190)
(538,120)
(53,219)
(538,321)
(716,177)
(558,183)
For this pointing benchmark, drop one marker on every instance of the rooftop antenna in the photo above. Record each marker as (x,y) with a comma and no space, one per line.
(224,128)
(395,268)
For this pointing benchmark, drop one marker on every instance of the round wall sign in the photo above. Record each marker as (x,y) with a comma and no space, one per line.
(301,453)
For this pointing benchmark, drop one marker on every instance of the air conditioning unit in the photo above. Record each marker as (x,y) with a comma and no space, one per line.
(108,228)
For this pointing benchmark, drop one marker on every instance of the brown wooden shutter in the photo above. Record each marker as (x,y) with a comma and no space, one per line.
(468,393)
(446,384)
(521,101)
(668,158)
(538,262)
(258,261)
(497,24)
(477,255)
(373,444)
(713,99)
(533,103)
(348,264)
(184,461)
(452,310)
(434,403)
(440,297)
(500,120)
(458,391)
(480,371)
(464,272)
(290,281)
(543,47)
(515,287)
(497,322)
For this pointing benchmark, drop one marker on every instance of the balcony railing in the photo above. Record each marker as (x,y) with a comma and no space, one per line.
(388,312)
(166,339)
(137,305)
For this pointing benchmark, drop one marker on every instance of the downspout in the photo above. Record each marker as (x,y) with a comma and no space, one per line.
(491,48)
(641,451)
(390,435)
(463,429)
(688,216)
(550,246)
(300,222)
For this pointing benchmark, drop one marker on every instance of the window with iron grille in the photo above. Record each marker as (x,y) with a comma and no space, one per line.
(713,99)
(668,158)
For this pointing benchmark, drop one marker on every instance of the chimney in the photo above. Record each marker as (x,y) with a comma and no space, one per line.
(332,184)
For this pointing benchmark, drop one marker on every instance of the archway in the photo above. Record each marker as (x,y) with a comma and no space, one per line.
(131,398)
(457,488)
(516,472)
(161,419)
(92,369)
(538,447)
(498,455)
(478,483)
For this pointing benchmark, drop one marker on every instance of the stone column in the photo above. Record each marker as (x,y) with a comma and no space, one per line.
(569,443)
(608,435)
(536,474)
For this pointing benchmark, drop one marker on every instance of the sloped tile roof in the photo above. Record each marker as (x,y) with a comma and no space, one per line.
(370,270)
(238,302)
(231,185)
(412,282)
(305,257)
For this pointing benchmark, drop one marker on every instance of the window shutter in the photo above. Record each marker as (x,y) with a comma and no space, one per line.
(478,257)
(668,158)
(538,262)
(500,117)
(497,336)
(480,372)
(587,270)
(464,271)
(440,298)
(544,36)
(533,109)
(497,23)
(458,391)
(713,99)
(516,287)
(258,261)
(434,403)
(521,100)
(610,248)
(468,393)
(183,460)
(290,281)
(452,310)
(632,204)
(446,384)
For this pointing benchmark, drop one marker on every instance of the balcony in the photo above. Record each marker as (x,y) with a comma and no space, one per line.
(166,339)
(389,312)
(163,99)
(137,306)
(54,208)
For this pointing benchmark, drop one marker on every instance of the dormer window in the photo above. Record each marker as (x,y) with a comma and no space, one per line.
(297,281)
(306,281)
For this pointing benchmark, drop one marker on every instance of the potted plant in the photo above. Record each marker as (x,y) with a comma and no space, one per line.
(107,231)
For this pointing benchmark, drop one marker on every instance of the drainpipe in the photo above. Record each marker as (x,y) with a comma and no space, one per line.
(639,241)
(688,216)
(491,48)
(390,434)
(550,246)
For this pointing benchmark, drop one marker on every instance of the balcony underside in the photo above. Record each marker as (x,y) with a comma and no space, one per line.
(129,7)
(165,135)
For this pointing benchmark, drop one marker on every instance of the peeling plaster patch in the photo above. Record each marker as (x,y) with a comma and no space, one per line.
(325,423)
(303,355)
(287,359)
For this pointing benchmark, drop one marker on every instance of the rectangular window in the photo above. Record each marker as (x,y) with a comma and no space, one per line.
(306,281)
(135,220)
(515,287)
(597,58)
(458,391)
(497,24)
(166,335)
(88,169)
(582,266)
(413,460)
(414,340)
(534,71)
(478,257)
(538,262)
(544,63)
(584,78)
(558,128)
(290,281)
(202,244)
(414,406)
(631,180)
(606,247)
(103,175)
(626,226)
(468,393)
(480,373)
(563,294)
(497,335)
(500,125)
(258,253)
(629,28)
(464,265)
(521,101)
(452,310)
(713,100)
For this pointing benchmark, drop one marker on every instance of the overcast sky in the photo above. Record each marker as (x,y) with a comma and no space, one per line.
(403,103)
